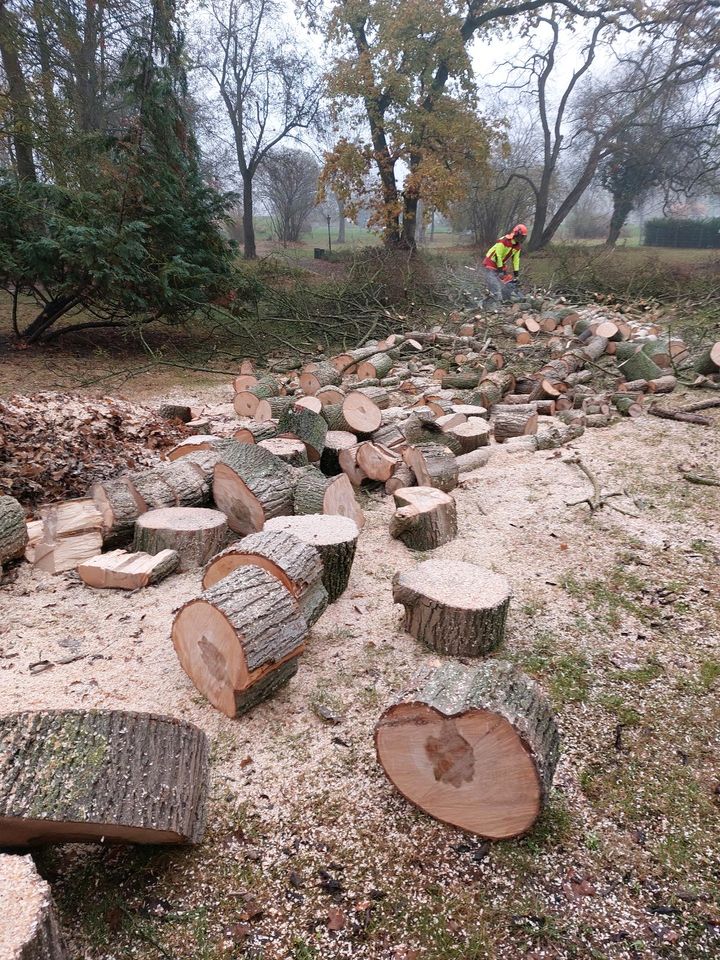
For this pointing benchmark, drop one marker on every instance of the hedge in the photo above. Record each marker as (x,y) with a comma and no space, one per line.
(701,234)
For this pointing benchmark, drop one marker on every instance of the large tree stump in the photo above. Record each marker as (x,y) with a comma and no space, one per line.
(425,519)
(455,608)
(335,539)
(240,640)
(475,747)
(335,441)
(316,493)
(296,565)
(307,426)
(78,775)
(356,414)
(250,486)
(118,509)
(194,533)
(120,570)
(13,530)
(28,927)
(519,421)
(433,465)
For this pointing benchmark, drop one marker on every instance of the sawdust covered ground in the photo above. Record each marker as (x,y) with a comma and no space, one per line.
(311,854)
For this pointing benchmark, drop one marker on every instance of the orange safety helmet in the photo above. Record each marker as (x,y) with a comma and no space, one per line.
(521,229)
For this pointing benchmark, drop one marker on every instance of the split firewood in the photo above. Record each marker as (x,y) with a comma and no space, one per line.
(514,421)
(402,476)
(94,775)
(347,459)
(335,442)
(290,451)
(13,530)
(356,414)
(120,570)
(335,539)
(254,432)
(241,640)
(296,565)
(324,375)
(425,518)
(72,532)
(28,927)
(194,533)
(433,466)
(377,461)
(334,496)
(307,426)
(250,486)
(458,609)
(474,746)
(34,536)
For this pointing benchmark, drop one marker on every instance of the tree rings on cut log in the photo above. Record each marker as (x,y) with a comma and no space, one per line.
(28,927)
(250,485)
(324,375)
(245,403)
(316,493)
(425,519)
(244,381)
(475,747)
(335,539)
(255,431)
(433,465)
(194,533)
(296,565)
(70,776)
(309,403)
(120,570)
(272,408)
(357,414)
(329,396)
(13,530)
(458,609)
(201,441)
(290,451)
(240,640)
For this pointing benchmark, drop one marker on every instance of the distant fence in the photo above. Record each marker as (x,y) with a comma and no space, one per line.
(700,234)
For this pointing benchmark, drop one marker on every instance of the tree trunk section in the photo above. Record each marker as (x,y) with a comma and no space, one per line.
(296,565)
(426,518)
(194,533)
(356,414)
(29,929)
(13,530)
(335,441)
(433,466)
(307,426)
(250,486)
(290,451)
(457,609)
(515,421)
(324,375)
(240,640)
(85,775)
(335,539)
(178,483)
(475,747)
(249,250)
(334,496)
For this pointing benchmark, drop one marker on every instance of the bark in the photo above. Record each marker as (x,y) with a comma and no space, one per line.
(76,775)
(250,486)
(236,635)
(118,509)
(457,609)
(516,421)
(709,361)
(433,465)
(19,99)
(341,221)
(13,530)
(255,432)
(173,411)
(375,367)
(335,539)
(334,496)
(639,366)
(379,396)
(249,248)
(296,565)
(323,375)
(120,570)
(335,441)
(622,207)
(425,519)
(473,461)
(307,426)
(475,747)
(175,484)
(402,477)
(194,534)
(30,929)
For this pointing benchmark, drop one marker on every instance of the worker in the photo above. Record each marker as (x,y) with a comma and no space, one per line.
(496,263)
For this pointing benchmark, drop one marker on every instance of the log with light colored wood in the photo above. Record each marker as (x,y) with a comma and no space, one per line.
(433,466)
(250,485)
(307,426)
(425,518)
(515,421)
(474,460)
(120,570)
(470,410)
(13,530)
(376,461)
(335,442)
(241,640)
(402,476)
(194,533)
(473,746)
(290,451)
(324,375)
(335,539)
(245,403)
(330,395)
(458,609)
(178,483)
(379,365)
(71,532)
(28,926)
(316,493)
(255,431)
(379,396)
(357,414)
(272,408)
(309,403)
(296,565)
(70,776)
(472,434)
(201,441)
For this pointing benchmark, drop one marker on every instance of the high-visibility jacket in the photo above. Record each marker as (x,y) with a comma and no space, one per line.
(498,255)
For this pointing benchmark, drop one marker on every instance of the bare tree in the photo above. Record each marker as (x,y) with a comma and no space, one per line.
(269,87)
(288,186)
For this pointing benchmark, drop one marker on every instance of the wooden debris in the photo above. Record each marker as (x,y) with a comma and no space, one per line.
(425,518)
(120,570)
(194,533)
(335,539)
(250,486)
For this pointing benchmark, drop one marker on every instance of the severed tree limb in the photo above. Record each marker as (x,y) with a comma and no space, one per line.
(665,413)
(703,481)
(700,405)
(598,499)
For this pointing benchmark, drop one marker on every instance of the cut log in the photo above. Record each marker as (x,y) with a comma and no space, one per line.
(70,776)
(244,381)
(307,426)
(379,396)
(709,360)
(390,436)
(402,477)
(120,570)
(627,404)
(272,408)
(356,414)
(330,395)
(492,389)
(515,422)
(316,493)
(175,484)
(250,485)
(335,539)
(470,410)
(296,565)
(426,518)
(61,555)
(662,385)
(173,411)
(433,466)
(335,441)
(475,747)
(254,432)
(309,403)
(241,640)
(460,381)
(455,608)
(28,926)
(245,403)
(377,366)
(201,441)
(376,461)
(290,451)
(640,367)
(13,530)
(472,434)
(557,435)
(473,461)
(447,421)
(420,429)
(347,458)
(195,534)
(324,375)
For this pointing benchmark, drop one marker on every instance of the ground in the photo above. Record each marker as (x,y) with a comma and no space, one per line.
(310,853)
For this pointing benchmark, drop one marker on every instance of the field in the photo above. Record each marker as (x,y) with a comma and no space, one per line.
(310,854)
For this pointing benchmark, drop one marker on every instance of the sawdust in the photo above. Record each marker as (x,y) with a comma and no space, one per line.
(23,896)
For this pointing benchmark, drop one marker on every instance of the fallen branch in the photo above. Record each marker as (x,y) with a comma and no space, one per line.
(703,481)
(700,405)
(665,413)
(598,499)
